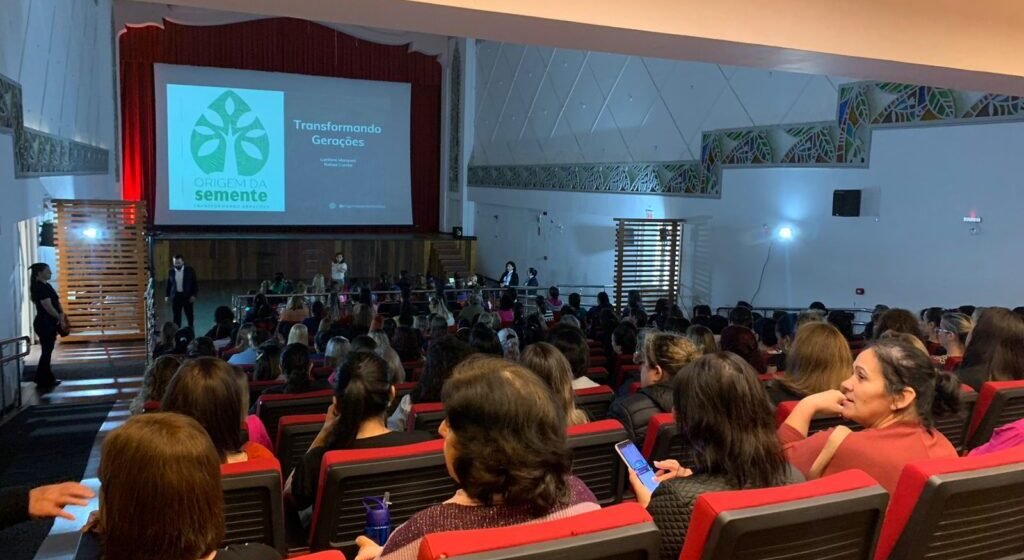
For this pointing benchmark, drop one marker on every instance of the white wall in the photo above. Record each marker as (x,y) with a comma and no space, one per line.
(60,51)
(917,253)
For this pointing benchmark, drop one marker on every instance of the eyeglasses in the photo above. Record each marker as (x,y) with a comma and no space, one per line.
(944,331)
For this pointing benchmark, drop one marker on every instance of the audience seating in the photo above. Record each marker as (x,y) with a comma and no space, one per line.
(597,360)
(595,461)
(253,508)
(415,475)
(625,372)
(401,390)
(150,406)
(410,369)
(321,372)
(256,388)
(818,423)
(620,531)
(954,427)
(969,507)
(598,374)
(270,408)
(294,436)
(595,401)
(663,441)
(999,403)
(838,516)
(634,387)
(426,417)
(325,555)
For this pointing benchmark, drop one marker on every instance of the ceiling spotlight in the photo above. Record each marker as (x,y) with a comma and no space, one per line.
(91,233)
(785,233)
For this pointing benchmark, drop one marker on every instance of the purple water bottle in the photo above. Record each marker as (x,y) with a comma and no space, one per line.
(378,519)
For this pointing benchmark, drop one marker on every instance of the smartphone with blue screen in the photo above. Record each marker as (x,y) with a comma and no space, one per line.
(636,462)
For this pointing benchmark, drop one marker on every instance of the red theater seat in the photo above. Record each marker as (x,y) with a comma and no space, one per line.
(253,509)
(594,460)
(968,507)
(415,475)
(410,369)
(271,408)
(818,423)
(325,555)
(294,436)
(999,403)
(615,532)
(838,516)
(663,441)
(425,417)
(634,387)
(598,374)
(625,372)
(954,427)
(150,406)
(321,372)
(595,401)
(598,360)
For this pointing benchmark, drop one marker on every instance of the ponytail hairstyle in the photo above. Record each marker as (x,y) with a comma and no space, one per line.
(363,392)
(35,269)
(903,366)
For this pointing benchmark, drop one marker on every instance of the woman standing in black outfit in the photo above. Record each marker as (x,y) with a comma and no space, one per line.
(49,316)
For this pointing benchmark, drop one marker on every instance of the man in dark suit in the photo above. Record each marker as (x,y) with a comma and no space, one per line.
(182,288)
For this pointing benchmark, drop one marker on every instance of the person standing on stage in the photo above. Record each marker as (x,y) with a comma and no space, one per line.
(511,277)
(339,269)
(182,288)
(49,318)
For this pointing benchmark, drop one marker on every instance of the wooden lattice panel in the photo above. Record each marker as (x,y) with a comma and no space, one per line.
(647,258)
(101,268)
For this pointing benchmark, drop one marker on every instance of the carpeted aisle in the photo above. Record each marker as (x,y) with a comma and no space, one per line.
(42,445)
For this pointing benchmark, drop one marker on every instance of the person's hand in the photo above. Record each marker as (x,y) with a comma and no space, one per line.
(643,495)
(368,550)
(49,501)
(332,416)
(826,402)
(669,469)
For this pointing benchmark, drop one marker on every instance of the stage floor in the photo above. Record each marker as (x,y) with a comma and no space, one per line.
(211,296)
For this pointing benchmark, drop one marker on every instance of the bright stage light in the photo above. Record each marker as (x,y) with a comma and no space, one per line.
(785,233)
(91,233)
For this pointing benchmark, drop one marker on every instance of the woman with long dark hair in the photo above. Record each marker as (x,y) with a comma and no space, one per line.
(356,420)
(995,349)
(49,320)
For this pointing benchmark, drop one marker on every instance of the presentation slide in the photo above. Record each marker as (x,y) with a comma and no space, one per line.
(246,148)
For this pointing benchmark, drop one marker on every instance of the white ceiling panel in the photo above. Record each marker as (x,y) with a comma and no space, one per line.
(606,68)
(767,95)
(657,139)
(633,95)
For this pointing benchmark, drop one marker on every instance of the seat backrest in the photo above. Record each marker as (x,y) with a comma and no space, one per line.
(999,403)
(295,434)
(426,417)
(598,374)
(967,507)
(270,408)
(612,533)
(818,423)
(415,475)
(324,555)
(321,372)
(595,461)
(954,426)
(256,388)
(253,508)
(597,358)
(663,441)
(837,516)
(595,401)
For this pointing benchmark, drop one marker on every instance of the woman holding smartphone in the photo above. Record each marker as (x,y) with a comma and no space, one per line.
(721,406)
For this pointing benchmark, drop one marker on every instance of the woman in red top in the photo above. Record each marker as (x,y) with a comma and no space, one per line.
(894,393)
(953,332)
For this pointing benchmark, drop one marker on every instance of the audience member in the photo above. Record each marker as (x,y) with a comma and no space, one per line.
(506,445)
(201,347)
(554,301)
(785,331)
(355,420)
(408,342)
(247,357)
(474,309)
(317,315)
(568,318)
(337,350)
(894,393)
(717,324)
(484,340)
(182,339)
(223,324)
(254,426)
(572,343)
(268,362)
(953,331)
(437,307)
(702,338)
(506,306)
(742,317)
(624,339)
(818,360)
(205,389)
(742,342)
(396,372)
(899,320)
(166,343)
(261,310)
(154,382)
(603,303)
(296,367)
(490,320)
(930,317)
(995,349)
(443,355)
(842,320)
(720,406)
(509,340)
(661,357)
(551,366)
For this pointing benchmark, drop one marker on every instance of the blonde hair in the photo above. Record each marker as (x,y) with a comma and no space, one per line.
(548,363)
(818,360)
(298,334)
(242,341)
(670,352)
(296,303)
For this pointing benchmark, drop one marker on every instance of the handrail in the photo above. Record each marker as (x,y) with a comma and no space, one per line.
(17,358)
(26,352)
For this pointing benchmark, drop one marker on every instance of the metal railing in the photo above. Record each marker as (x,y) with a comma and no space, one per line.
(10,377)
(857,312)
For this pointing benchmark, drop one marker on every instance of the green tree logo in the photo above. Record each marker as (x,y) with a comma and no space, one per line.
(229,135)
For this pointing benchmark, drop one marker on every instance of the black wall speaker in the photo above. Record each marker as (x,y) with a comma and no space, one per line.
(46,234)
(846,203)
(457,232)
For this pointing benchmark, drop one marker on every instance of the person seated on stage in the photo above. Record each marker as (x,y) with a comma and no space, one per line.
(164,465)
(154,382)
(296,367)
(201,347)
(507,448)
(661,357)
(247,357)
(205,389)
(572,343)
(268,362)
(166,343)
(296,312)
(355,420)
(895,394)
(550,366)
(718,402)
(223,325)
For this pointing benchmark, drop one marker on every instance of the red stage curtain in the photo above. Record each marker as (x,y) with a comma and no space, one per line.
(277,45)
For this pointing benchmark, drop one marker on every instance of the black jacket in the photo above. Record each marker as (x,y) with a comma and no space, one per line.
(635,411)
(672,505)
(513,281)
(13,506)
(189,284)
